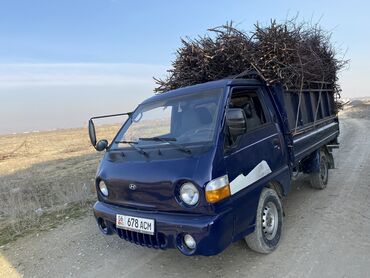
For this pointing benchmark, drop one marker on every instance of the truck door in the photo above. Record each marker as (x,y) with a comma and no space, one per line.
(254,157)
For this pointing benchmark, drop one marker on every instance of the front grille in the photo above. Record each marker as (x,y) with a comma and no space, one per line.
(158,240)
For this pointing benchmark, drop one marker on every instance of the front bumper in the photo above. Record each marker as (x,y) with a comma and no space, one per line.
(213,233)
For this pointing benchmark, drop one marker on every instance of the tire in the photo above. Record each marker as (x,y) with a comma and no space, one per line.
(269,223)
(320,180)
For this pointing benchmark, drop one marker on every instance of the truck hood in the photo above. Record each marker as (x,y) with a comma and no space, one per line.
(153,184)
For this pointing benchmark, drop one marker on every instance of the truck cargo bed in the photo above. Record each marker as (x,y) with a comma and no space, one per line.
(306,143)
(310,118)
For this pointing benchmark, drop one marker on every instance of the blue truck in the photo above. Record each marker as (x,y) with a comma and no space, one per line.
(200,167)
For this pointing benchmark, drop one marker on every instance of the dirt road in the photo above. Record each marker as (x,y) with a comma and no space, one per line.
(326,234)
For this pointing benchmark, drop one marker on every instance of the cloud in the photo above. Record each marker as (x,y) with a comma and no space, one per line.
(77,74)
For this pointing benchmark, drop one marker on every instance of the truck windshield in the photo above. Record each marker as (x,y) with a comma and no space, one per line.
(175,122)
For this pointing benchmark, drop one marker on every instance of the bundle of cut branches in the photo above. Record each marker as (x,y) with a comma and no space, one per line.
(295,55)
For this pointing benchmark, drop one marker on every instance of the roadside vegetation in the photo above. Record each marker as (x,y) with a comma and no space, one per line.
(45,178)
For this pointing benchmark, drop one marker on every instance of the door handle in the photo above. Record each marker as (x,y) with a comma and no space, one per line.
(276,143)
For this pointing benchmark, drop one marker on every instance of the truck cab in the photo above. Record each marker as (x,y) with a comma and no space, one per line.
(198,168)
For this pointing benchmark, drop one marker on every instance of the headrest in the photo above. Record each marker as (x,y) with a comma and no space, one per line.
(248,109)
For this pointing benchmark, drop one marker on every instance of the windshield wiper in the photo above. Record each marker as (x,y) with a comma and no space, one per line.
(132,144)
(169,141)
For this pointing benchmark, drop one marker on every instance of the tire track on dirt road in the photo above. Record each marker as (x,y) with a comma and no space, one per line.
(340,234)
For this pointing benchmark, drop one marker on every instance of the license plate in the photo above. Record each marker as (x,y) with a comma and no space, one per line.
(136,224)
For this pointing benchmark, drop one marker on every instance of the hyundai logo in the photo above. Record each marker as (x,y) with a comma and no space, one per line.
(132,186)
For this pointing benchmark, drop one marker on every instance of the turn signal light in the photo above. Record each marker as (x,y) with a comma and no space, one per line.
(218,189)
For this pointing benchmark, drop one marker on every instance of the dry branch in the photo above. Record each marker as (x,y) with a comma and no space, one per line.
(296,55)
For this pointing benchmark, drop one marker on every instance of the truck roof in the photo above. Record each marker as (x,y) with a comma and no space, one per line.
(204,86)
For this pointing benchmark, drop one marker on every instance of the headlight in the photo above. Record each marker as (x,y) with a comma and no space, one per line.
(103,188)
(189,194)
(218,189)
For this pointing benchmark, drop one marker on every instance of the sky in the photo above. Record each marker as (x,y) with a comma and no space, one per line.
(64,61)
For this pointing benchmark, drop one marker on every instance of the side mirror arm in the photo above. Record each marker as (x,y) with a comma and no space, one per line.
(101,144)
(111,115)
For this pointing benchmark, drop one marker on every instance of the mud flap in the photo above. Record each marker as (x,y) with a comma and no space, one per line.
(311,164)
(330,157)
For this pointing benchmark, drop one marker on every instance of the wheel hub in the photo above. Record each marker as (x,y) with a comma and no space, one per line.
(270,220)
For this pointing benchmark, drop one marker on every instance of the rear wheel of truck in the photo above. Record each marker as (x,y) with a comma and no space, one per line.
(319,180)
(269,223)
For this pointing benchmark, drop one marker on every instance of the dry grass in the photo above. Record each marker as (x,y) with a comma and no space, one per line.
(44,177)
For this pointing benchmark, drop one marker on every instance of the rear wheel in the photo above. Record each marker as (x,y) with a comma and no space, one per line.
(269,223)
(319,180)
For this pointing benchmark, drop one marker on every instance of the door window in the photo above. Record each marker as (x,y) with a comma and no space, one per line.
(249,101)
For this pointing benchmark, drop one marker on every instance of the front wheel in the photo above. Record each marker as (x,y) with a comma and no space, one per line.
(269,223)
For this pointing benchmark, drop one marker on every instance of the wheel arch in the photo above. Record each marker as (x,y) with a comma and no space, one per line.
(280,181)
(278,187)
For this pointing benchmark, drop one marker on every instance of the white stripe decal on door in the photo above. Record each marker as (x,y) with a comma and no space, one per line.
(258,172)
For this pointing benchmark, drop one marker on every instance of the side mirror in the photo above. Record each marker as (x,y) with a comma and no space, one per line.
(236,120)
(101,144)
(92,133)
